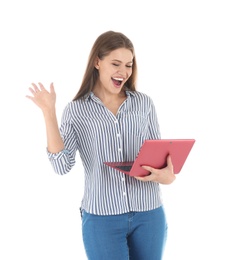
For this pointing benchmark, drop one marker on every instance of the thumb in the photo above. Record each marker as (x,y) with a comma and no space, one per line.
(169,162)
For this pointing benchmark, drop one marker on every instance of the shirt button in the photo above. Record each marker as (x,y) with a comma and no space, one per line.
(119,149)
(124,193)
(123,179)
(118,135)
(115,121)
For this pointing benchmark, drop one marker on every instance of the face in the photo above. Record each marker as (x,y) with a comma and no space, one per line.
(114,70)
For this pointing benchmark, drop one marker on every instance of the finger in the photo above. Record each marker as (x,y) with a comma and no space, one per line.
(149,177)
(36,89)
(33,91)
(52,88)
(148,168)
(139,178)
(29,97)
(41,86)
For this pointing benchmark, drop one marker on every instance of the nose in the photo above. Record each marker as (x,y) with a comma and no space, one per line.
(123,71)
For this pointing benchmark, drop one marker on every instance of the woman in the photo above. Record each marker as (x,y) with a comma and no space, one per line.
(108,120)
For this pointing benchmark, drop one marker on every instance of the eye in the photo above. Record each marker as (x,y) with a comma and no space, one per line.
(129,66)
(115,64)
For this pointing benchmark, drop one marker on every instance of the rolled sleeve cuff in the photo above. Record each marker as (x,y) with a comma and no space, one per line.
(56,156)
(60,161)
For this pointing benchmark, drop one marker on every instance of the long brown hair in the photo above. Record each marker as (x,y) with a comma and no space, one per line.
(103,45)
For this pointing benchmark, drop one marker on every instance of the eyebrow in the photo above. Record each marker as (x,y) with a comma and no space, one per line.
(121,61)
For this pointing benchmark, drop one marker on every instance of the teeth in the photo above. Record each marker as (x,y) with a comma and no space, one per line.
(118,79)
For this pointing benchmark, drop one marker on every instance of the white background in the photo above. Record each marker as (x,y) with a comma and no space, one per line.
(183,56)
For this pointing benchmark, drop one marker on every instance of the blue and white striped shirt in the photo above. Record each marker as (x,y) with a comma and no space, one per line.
(88,127)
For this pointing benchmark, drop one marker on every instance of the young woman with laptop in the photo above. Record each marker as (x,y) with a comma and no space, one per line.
(123,217)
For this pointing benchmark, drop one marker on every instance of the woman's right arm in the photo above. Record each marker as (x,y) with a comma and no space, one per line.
(46,101)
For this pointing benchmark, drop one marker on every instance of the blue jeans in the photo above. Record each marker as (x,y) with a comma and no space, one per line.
(134,235)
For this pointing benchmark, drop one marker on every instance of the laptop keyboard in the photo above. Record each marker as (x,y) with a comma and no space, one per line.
(124,167)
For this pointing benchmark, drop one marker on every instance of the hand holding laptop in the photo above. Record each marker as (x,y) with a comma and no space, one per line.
(162,176)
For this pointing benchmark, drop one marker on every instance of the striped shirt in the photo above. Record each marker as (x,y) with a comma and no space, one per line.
(88,127)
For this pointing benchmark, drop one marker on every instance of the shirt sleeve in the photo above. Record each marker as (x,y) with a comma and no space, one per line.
(154,128)
(64,161)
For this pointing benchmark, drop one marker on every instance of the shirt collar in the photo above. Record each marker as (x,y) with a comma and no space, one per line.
(91,94)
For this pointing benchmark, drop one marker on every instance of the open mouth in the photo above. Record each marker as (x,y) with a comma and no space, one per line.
(117,81)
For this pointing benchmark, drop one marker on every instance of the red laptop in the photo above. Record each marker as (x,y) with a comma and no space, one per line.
(154,153)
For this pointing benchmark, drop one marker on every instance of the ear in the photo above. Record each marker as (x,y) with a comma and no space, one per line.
(96,63)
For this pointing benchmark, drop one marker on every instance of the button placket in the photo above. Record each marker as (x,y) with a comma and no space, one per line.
(119,141)
(124,187)
(120,151)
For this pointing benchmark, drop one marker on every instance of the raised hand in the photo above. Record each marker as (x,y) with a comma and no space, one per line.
(43,98)
(46,101)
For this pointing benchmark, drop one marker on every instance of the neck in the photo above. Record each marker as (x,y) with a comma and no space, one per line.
(106,96)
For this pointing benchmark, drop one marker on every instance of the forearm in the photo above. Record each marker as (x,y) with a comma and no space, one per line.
(54,141)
